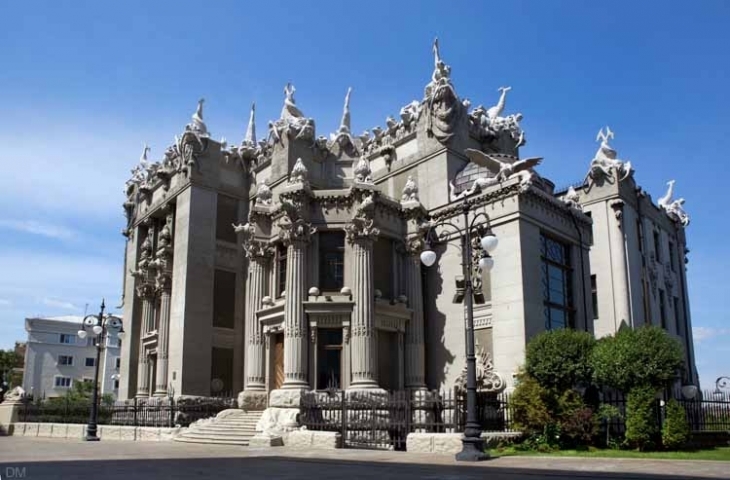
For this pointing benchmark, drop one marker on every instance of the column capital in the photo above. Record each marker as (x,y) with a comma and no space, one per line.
(361,228)
(414,245)
(295,231)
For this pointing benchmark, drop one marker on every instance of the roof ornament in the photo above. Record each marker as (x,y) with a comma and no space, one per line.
(198,125)
(673,208)
(441,101)
(344,135)
(605,160)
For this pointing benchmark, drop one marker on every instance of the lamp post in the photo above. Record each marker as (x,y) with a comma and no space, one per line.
(101,326)
(472,443)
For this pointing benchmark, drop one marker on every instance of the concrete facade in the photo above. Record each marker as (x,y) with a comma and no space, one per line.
(56,357)
(321,239)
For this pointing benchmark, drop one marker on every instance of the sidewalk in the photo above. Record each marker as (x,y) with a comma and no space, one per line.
(19,450)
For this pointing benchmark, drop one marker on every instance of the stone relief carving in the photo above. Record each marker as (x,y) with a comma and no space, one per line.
(571,198)
(668,279)
(605,161)
(298,174)
(163,260)
(489,123)
(487,379)
(673,208)
(441,101)
(198,126)
(501,168)
(291,121)
(362,225)
(410,191)
(362,171)
(264,196)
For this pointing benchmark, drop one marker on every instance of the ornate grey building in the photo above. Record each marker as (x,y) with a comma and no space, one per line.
(292,263)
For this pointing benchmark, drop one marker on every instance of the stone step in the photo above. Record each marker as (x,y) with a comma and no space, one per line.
(212,441)
(222,430)
(217,436)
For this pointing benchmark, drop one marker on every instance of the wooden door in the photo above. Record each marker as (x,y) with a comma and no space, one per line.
(278,361)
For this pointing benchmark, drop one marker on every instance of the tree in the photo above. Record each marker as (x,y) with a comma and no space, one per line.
(530,404)
(560,359)
(642,426)
(646,356)
(675,430)
(9,360)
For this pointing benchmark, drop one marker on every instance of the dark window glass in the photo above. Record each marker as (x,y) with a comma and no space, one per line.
(556,275)
(672,257)
(329,358)
(657,247)
(594,296)
(226,214)
(383,273)
(90,361)
(221,372)
(331,261)
(224,298)
(662,308)
(281,252)
(677,317)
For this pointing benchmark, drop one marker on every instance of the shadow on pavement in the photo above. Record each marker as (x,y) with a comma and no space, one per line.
(289,468)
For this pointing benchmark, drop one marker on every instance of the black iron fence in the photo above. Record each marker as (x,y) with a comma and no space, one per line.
(165,412)
(384,419)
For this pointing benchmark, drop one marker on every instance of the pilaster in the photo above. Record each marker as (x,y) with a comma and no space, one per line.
(618,264)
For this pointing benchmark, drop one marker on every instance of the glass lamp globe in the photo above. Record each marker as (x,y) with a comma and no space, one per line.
(428,257)
(97,329)
(486,263)
(489,243)
(81,334)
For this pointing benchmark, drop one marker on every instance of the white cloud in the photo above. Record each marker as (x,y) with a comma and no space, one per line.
(703,333)
(39,228)
(5,303)
(50,302)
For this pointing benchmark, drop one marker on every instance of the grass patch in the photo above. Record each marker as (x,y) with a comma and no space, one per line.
(719,453)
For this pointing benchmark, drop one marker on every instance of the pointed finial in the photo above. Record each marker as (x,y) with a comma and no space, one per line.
(250,137)
(145,149)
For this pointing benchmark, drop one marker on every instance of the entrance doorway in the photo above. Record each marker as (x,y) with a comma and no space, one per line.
(278,361)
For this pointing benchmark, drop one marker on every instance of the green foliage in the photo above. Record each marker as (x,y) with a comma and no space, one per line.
(8,361)
(607,413)
(675,430)
(642,427)
(530,406)
(578,425)
(80,394)
(560,359)
(646,356)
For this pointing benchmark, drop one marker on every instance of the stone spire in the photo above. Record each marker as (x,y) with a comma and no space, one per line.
(198,125)
(345,123)
(250,138)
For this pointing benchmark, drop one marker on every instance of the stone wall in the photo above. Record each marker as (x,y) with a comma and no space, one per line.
(450,443)
(105,432)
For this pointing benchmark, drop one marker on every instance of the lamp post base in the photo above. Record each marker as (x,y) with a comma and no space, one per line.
(91,434)
(90,438)
(472,450)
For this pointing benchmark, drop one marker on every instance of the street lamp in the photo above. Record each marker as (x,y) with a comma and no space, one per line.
(472,449)
(722,383)
(101,326)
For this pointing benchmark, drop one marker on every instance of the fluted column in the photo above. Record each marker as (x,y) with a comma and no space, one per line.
(364,353)
(415,368)
(255,347)
(295,328)
(618,266)
(148,317)
(163,264)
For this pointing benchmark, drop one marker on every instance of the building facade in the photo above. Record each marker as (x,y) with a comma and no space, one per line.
(56,358)
(293,263)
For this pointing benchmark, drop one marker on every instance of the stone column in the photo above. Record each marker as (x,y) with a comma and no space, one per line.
(254,393)
(144,276)
(361,233)
(618,266)
(415,368)
(295,328)
(163,264)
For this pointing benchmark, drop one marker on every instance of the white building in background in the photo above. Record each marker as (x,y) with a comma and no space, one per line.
(56,357)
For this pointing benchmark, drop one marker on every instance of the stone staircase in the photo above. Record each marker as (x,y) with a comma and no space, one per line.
(229,427)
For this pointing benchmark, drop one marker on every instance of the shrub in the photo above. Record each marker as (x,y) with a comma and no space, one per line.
(530,406)
(607,413)
(560,359)
(637,357)
(578,427)
(642,427)
(675,430)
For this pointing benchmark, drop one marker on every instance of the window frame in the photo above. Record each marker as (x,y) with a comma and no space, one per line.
(282,253)
(337,250)
(568,307)
(71,339)
(70,359)
(93,362)
(56,378)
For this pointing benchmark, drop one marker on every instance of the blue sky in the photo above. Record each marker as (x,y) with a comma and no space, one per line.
(84,84)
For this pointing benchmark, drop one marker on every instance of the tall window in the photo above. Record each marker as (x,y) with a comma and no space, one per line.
(225,215)
(556,283)
(329,358)
(657,247)
(662,308)
(224,298)
(594,296)
(281,252)
(677,316)
(672,257)
(331,261)
(221,372)
(383,274)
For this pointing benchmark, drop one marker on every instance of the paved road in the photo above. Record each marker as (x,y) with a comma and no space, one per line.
(39,458)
